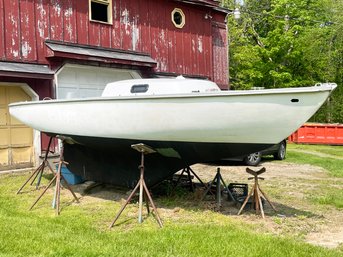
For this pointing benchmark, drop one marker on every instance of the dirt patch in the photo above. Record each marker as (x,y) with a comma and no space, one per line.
(289,186)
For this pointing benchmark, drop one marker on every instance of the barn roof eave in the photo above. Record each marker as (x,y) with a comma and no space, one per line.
(109,55)
(207,3)
(27,70)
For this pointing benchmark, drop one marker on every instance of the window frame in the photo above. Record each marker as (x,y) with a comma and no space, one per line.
(108,3)
(183,22)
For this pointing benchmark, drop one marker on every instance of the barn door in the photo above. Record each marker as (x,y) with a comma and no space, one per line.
(16,139)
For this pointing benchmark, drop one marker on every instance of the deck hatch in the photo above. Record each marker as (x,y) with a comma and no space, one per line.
(143,88)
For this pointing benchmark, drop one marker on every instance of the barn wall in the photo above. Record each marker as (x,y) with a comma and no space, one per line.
(138,25)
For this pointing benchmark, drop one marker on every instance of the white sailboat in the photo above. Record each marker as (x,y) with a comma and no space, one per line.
(185,120)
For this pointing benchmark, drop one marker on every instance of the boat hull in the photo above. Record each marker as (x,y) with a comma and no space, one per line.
(114,161)
(258,117)
(184,129)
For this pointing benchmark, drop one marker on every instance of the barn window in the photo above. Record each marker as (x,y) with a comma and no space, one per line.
(100,10)
(178,18)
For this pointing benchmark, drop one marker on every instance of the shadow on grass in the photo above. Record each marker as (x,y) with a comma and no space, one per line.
(181,197)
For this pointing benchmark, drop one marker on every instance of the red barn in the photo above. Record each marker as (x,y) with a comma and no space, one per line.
(72,48)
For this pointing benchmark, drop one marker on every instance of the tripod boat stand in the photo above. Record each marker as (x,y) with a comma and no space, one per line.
(257,192)
(39,171)
(188,170)
(143,149)
(218,181)
(58,177)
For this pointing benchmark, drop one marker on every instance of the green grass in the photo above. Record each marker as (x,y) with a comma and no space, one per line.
(334,198)
(329,193)
(330,163)
(81,230)
(334,150)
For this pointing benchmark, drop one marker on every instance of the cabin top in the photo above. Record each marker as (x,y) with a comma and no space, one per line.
(160,86)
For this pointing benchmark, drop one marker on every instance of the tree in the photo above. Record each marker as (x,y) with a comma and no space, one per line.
(284,43)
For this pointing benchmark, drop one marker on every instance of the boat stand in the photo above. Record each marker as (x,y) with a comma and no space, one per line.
(143,189)
(188,170)
(218,181)
(40,169)
(256,193)
(57,178)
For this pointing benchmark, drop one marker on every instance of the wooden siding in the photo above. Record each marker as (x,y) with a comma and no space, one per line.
(138,25)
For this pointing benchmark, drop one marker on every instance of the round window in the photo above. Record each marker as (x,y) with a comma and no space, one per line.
(178,18)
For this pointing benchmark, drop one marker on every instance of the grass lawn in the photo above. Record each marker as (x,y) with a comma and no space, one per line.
(82,229)
(329,158)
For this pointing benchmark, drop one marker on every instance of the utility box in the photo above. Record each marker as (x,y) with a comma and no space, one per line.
(71,178)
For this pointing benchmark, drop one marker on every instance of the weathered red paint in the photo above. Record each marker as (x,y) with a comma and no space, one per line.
(138,25)
(27,50)
(2,33)
(42,28)
(220,54)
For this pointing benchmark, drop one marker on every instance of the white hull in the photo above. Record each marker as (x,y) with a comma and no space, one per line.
(262,116)
(199,124)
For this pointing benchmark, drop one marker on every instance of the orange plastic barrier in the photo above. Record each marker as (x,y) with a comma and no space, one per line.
(318,133)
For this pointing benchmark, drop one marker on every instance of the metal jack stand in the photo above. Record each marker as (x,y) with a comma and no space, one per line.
(218,179)
(39,171)
(143,149)
(189,171)
(58,177)
(257,192)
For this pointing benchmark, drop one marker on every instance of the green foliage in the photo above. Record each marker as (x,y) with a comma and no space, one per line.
(288,43)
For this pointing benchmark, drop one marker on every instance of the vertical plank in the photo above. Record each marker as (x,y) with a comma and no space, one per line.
(163,45)
(135,20)
(220,56)
(205,57)
(187,42)
(154,29)
(28,31)
(171,39)
(105,39)
(56,20)
(144,26)
(94,33)
(82,21)
(179,51)
(69,21)
(42,27)
(126,23)
(196,33)
(159,38)
(2,31)
(115,32)
(11,23)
